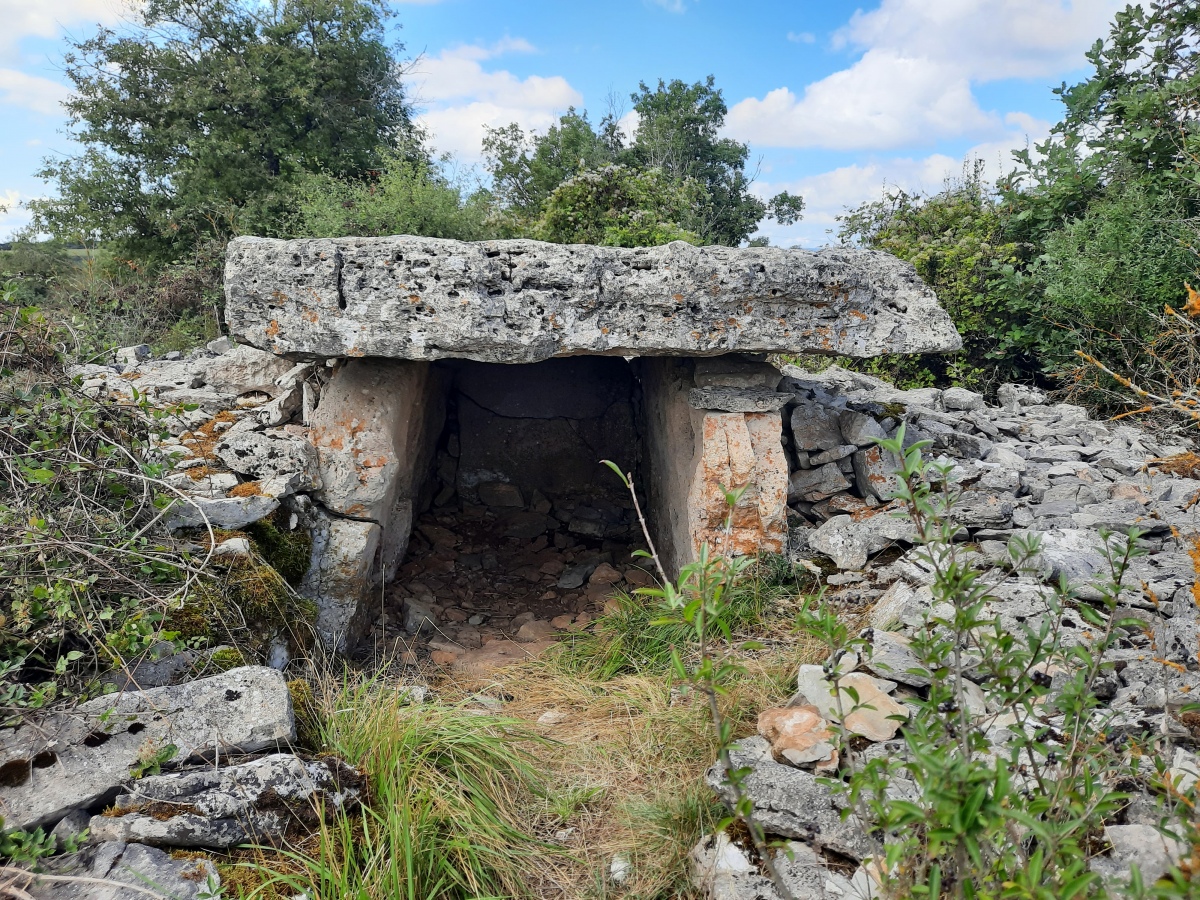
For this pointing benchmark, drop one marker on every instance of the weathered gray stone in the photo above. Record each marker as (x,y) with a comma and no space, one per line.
(118,871)
(262,454)
(961,399)
(524,301)
(727,399)
(246,369)
(78,759)
(860,429)
(891,657)
(1142,845)
(721,870)
(815,427)
(225,512)
(792,803)
(875,472)
(735,371)
(817,484)
(342,575)
(258,802)
(851,540)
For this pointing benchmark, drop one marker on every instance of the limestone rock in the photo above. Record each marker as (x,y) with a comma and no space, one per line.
(875,714)
(122,872)
(875,473)
(798,735)
(1142,845)
(818,483)
(257,802)
(524,301)
(721,870)
(374,432)
(852,540)
(727,399)
(961,399)
(816,427)
(264,455)
(230,513)
(792,803)
(890,657)
(860,429)
(740,449)
(734,371)
(244,370)
(78,759)
(341,576)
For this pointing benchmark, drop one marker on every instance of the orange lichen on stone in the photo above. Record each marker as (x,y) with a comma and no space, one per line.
(272,329)
(246,489)
(203,441)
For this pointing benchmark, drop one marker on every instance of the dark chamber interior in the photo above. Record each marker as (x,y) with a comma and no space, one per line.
(521,519)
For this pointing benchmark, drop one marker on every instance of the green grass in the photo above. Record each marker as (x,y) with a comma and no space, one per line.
(444,817)
(633,637)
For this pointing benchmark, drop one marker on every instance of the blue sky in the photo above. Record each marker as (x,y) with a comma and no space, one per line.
(836,100)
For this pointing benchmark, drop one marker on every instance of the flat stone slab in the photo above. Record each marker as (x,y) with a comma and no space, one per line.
(77,759)
(524,301)
(257,802)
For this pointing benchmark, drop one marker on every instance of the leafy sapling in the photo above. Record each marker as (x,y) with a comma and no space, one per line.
(698,598)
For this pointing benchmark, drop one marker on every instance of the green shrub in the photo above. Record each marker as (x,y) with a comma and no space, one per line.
(86,569)
(407,195)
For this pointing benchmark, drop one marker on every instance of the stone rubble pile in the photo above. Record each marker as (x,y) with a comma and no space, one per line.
(1024,467)
(486,585)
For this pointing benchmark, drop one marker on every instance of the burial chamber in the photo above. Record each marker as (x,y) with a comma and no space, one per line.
(487,381)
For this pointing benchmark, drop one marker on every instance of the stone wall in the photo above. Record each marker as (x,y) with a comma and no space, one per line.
(374,431)
(695,454)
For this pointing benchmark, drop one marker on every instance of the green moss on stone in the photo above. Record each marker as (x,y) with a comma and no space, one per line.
(288,551)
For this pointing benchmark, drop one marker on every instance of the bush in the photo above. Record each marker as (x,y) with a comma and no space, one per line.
(87,571)
(618,206)
(955,240)
(408,195)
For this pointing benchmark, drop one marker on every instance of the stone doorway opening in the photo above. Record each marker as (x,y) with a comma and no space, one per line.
(522,531)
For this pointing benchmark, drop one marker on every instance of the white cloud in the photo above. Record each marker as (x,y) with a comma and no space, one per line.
(675,6)
(32,92)
(884,100)
(985,39)
(801,37)
(460,96)
(828,194)
(13,216)
(47,18)
(912,85)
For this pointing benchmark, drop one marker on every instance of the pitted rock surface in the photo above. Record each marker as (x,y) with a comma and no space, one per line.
(80,758)
(524,301)
(257,802)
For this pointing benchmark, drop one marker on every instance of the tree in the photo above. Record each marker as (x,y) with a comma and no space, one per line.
(677,132)
(677,137)
(526,169)
(199,121)
(1101,210)
(619,207)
